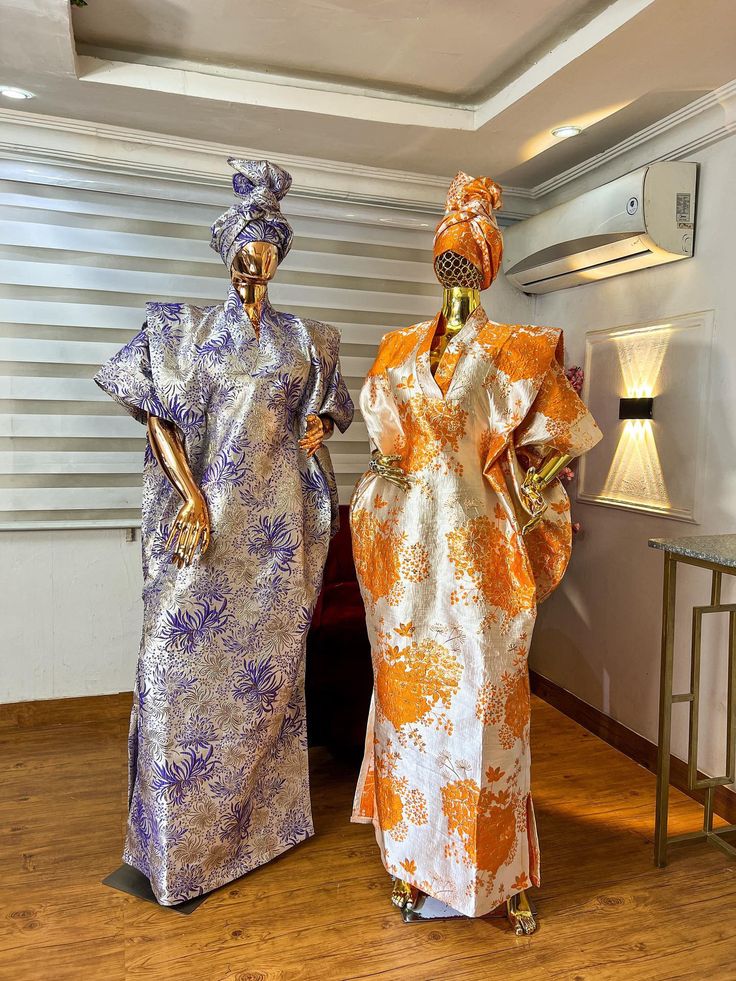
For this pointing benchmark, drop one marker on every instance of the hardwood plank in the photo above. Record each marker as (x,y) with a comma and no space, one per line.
(321,912)
(64,711)
(636,747)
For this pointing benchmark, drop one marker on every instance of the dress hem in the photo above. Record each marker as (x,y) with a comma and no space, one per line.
(129,860)
(470,916)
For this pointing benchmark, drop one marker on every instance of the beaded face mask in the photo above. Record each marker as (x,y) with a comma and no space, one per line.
(453,269)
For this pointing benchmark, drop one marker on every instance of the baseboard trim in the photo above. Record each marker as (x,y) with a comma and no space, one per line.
(628,742)
(82,710)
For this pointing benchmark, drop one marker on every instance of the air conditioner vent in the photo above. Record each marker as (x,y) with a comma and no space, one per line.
(598,234)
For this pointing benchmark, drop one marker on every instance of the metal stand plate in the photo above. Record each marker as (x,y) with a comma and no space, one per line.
(129,880)
(429,908)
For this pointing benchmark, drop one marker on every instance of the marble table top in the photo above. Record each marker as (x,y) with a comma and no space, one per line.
(719,549)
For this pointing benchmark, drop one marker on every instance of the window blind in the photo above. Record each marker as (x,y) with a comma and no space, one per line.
(80,253)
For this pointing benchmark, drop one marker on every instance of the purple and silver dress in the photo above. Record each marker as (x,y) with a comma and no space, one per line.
(219,780)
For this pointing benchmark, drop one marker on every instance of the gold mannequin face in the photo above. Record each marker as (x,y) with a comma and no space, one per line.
(252,268)
(256,262)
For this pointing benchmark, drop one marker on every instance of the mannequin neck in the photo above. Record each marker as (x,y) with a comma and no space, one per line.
(253,293)
(458,302)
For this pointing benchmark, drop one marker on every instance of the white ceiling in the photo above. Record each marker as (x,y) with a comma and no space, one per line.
(431,50)
(427,86)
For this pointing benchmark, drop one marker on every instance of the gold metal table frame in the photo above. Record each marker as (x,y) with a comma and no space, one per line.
(717,553)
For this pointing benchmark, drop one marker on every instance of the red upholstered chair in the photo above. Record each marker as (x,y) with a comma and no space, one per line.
(339,673)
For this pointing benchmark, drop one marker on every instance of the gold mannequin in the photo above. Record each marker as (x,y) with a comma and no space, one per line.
(458,303)
(251,271)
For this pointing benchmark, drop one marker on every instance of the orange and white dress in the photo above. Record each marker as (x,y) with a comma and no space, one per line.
(451,590)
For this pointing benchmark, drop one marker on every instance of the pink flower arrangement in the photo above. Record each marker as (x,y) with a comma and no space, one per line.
(576,377)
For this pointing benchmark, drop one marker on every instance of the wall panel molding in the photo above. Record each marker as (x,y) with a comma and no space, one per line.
(654,466)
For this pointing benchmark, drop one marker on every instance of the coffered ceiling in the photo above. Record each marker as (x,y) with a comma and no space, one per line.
(426,86)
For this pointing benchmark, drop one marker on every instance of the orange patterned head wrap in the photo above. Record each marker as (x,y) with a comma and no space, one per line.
(469,228)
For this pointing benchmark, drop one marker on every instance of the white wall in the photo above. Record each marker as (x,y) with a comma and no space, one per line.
(599,635)
(70,613)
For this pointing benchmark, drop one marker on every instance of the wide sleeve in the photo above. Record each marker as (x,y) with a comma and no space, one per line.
(156,373)
(326,394)
(329,395)
(557,419)
(128,378)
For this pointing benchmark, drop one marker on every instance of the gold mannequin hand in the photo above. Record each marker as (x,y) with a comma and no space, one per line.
(387,466)
(535,481)
(319,428)
(191,527)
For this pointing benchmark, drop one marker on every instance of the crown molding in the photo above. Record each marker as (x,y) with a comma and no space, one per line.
(702,122)
(36,138)
(140,153)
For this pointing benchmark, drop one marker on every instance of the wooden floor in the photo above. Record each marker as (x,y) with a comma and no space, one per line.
(321,912)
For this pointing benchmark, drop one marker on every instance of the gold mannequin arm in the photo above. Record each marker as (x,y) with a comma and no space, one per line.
(535,481)
(191,527)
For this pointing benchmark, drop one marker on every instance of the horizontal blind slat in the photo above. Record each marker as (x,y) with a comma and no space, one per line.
(117,426)
(73,462)
(174,250)
(60,284)
(94,353)
(206,289)
(52,389)
(180,213)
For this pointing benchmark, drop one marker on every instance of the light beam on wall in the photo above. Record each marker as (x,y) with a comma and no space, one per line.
(635,475)
(641,354)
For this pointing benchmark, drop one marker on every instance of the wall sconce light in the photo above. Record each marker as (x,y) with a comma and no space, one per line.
(636,408)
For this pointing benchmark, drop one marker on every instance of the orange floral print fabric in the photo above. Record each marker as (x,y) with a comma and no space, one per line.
(451,588)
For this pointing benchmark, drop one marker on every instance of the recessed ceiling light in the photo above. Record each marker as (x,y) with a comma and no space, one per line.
(11,92)
(564,132)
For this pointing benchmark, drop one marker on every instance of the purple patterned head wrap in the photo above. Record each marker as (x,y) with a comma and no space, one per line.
(257,218)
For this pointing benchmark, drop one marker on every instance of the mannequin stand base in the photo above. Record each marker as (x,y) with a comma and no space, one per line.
(428,908)
(129,880)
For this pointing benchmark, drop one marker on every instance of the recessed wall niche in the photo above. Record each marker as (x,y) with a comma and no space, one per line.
(652,465)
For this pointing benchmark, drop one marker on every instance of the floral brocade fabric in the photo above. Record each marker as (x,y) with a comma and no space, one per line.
(218,761)
(451,589)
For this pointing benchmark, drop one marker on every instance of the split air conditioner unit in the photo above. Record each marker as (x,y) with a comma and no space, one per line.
(639,220)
